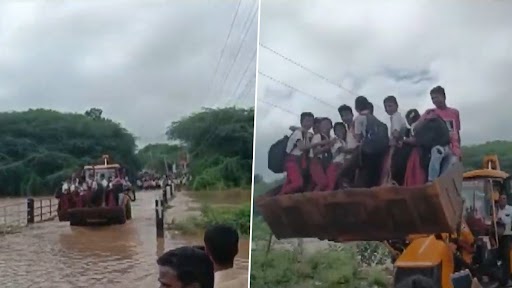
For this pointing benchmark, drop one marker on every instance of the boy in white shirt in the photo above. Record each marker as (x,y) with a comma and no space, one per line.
(338,153)
(298,144)
(396,120)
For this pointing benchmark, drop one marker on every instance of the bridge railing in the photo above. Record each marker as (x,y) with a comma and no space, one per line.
(17,215)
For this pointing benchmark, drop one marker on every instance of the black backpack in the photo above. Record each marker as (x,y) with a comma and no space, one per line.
(432,132)
(277,155)
(377,138)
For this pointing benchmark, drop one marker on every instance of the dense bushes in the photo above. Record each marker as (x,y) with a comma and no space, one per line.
(40,148)
(237,217)
(220,144)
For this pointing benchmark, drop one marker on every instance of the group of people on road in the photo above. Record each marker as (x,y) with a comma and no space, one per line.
(202,266)
(365,152)
(157,181)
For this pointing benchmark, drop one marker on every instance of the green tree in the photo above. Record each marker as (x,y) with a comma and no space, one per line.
(153,156)
(473,155)
(94,113)
(39,148)
(220,143)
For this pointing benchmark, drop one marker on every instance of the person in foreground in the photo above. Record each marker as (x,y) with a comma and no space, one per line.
(221,245)
(185,267)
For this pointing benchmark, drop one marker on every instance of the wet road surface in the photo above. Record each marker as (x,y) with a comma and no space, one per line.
(53,254)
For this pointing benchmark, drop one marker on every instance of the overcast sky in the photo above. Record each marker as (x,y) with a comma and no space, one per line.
(145,63)
(379,48)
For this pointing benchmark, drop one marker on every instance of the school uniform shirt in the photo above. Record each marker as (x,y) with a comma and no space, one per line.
(291,147)
(317,138)
(351,139)
(505,215)
(65,187)
(397,123)
(340,158)
(360,125)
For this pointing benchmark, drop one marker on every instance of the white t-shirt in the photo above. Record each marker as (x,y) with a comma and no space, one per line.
(65,187)
(351,139)
(505,215)
(317,138)
(397,122)
(291,147)
(360,125)
(338,158)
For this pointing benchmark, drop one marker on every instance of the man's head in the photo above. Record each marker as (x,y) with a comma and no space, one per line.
(390,105)
(438,96)
(503,201)
(361,104)
(306,120)
(370,108)
(346,114)
(221,244)
(185,267)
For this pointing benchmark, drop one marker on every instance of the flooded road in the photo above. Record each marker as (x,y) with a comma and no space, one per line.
(53,254)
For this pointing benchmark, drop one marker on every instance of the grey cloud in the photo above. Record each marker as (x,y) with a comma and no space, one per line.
(145,64)
(377,48)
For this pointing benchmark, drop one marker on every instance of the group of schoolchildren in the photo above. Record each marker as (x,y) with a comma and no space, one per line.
(80,186)
(155,181)
(365,152)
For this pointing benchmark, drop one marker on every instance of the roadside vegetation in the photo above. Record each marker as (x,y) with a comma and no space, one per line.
(219,142)
(237,217)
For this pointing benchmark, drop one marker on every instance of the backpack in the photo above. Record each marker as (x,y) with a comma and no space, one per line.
(432,132)
(377,138)
(277,155)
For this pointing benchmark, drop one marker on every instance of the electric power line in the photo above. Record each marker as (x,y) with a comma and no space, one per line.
(276,106)
(244,39)
(308,69)
(298,64)
(296,89)
(224,47)
(253,57)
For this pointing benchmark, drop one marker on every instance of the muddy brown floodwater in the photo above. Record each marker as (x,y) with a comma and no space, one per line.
(53,254)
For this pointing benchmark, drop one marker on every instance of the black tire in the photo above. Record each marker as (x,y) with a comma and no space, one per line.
(76,219)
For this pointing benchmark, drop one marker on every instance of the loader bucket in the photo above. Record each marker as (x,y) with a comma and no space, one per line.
(367,214)
(96,216)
